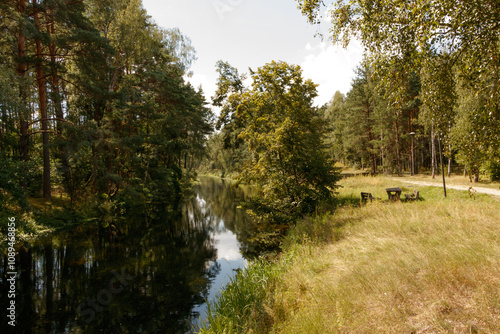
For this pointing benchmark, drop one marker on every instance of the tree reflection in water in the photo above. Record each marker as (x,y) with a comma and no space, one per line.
(168,266)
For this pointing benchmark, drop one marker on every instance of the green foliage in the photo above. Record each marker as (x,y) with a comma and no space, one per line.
(333,115)
(121,119)
(494,170)
(438,95)
(468,135)
(451,44)
(370,128)
(284,134)
(359,124)
(14,177)
(225,154)
(105,211)
(18,181)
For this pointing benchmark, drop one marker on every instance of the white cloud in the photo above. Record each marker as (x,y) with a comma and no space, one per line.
(228,247)
(207,85)
(332,67)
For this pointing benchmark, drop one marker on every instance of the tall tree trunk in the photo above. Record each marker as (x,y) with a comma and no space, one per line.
(57,102)
(398,153)
(433,151)
(21,72)
(449,167)
(374,163)
(449,161)
(382,150)
(55,78)
(370,142)
(42,100)
(442,165)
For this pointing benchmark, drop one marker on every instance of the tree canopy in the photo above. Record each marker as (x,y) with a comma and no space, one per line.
(453,46)
(284,133)
(98,102)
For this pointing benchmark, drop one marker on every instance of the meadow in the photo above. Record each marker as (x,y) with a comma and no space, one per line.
(431,266)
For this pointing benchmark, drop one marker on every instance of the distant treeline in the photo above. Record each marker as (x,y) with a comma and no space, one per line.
(378,123)
(368,131)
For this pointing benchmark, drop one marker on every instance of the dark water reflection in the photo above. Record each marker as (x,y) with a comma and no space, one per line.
(145,277)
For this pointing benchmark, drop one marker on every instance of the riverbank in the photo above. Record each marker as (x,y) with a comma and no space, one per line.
(423,267)
(192,250)
(41,218)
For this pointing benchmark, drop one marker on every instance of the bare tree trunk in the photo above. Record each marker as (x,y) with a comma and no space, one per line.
(398,153)
(442,165)
(370,142)
(449,161)
(433,151)
(382,150)
(42,99)
(21,72)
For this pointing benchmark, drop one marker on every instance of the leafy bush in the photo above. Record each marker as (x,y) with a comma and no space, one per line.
(17,178)
(494,170)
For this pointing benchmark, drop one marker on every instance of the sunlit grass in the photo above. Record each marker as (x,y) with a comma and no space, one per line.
(454,179)
(431,266)
(352,187)
(401,268)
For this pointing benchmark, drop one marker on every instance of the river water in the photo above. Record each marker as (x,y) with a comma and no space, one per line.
(145,276)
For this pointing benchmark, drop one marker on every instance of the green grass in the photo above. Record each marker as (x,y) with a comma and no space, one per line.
(431,266)
(241,305)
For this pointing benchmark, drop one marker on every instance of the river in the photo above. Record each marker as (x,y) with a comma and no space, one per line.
(144,276)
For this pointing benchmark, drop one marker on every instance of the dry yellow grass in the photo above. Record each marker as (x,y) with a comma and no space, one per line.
(426,267)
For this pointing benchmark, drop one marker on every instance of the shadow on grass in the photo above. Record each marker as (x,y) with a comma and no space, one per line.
(348,200)
(325,228)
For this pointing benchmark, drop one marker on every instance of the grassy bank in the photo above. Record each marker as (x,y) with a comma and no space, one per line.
(42,217)
(426,267)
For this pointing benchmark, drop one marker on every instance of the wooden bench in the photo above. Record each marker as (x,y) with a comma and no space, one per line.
(365,197)
(412,197)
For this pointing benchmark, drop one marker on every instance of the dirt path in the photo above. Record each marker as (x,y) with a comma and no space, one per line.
(488,191)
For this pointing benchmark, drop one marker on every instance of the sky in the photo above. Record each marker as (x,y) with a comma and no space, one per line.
(251,33)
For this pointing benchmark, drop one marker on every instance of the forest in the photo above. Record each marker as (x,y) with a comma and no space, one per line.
(95,108)
(430,77)
(431,74)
